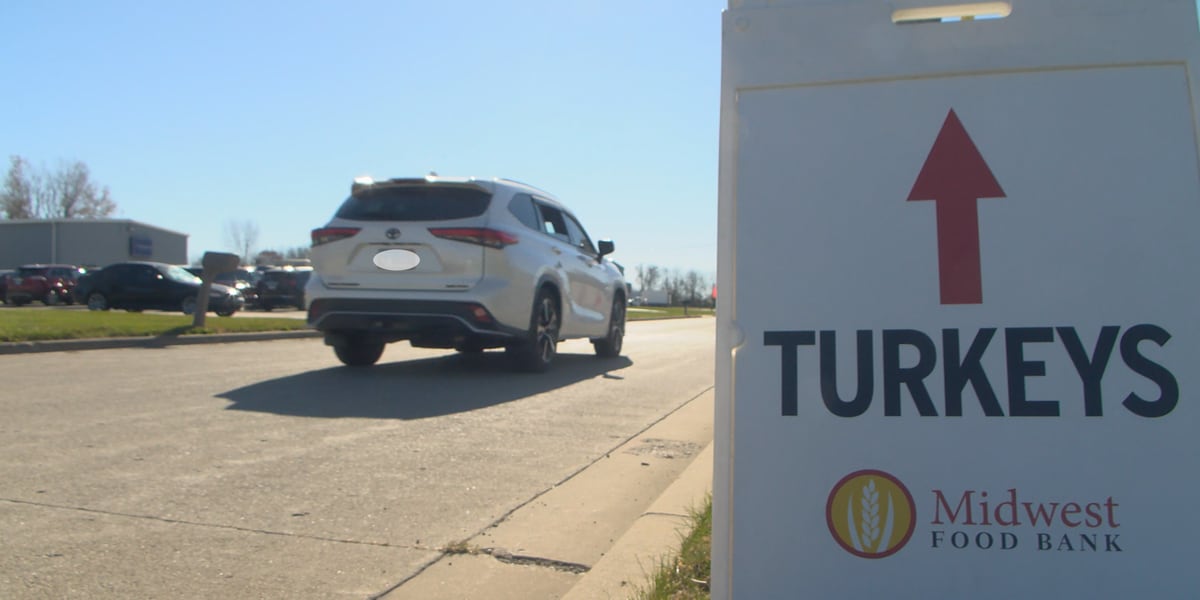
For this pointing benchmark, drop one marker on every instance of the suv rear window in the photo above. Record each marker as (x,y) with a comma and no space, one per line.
(414,203)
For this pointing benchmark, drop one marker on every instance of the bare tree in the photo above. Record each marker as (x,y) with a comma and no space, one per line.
(673,283)
(693,283)
(298,252)
(648,277)
(17,199)
(268,257)
(68,193)
(241,237)
(73,195)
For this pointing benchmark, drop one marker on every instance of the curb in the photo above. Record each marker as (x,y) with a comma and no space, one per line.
(160,341)
(652,539)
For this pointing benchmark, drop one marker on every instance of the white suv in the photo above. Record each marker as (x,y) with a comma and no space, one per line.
(463,263)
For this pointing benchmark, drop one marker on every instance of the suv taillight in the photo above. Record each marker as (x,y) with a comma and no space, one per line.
(492,238)
(325,235)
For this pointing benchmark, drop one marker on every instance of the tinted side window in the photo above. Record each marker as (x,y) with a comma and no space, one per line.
(521,206)
(414,203)
(579,237)
(119,273)
(553,223)
(143,274)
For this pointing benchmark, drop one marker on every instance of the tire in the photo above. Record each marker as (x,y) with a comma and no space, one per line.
(535,354)
(358,352)
(225,313)
(188,306)
(97,301)
(610,345)
(51,298)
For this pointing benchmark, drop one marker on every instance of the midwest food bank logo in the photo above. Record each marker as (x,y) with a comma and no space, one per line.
(871,514)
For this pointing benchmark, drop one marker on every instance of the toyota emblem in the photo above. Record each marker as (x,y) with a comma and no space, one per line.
(393,233)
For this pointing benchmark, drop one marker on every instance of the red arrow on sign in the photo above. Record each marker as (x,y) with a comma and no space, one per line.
(954,177)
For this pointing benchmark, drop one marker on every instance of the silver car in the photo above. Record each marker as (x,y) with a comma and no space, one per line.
(463,263)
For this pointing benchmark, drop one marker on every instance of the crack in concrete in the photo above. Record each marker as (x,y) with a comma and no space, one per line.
(509,558)
(167,520)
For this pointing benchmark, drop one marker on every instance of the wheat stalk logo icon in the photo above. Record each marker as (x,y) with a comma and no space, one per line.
(866,536)
(870,513)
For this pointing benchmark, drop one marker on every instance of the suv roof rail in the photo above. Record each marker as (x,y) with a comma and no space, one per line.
(366,181)
(532,187)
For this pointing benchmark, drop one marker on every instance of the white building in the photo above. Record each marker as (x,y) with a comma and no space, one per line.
(87,242)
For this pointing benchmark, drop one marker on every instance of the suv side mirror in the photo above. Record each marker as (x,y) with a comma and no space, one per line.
(607,247)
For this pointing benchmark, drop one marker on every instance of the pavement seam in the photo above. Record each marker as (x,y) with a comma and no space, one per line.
(665,514)
(110,513)
(537,561)
(534,498)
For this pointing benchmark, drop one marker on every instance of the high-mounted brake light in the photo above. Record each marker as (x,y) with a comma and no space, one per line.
(325,235)
(492,238)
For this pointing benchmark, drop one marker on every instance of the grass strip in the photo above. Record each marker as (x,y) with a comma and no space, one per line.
(686,575)
(643,313)
(29,325)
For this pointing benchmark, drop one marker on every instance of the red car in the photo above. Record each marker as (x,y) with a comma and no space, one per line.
(48,284)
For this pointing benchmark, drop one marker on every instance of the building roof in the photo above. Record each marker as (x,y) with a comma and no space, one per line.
(4,222)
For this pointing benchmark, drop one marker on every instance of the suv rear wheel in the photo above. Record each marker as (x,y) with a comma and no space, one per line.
(535,354)
(358,352)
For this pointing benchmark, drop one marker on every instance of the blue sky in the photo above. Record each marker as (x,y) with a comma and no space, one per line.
(197,113)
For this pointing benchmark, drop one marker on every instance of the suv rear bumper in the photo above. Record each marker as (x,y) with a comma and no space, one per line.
(430,323)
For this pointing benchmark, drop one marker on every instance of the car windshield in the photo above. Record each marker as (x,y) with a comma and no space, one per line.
(414,203)
(180,274)
(31,271)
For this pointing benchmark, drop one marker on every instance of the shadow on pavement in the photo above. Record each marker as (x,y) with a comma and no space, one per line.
(416,389)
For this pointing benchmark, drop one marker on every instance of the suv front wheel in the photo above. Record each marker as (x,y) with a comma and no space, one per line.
(609,346)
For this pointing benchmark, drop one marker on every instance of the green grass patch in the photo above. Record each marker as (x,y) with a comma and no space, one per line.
(644,313)
(28,325)
(686,576)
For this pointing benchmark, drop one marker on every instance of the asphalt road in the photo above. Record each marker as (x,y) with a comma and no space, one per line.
(267,470)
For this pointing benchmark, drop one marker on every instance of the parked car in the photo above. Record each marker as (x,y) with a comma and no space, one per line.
(48,284)
(461,263)
(155,286)
(282,287)
(243,279)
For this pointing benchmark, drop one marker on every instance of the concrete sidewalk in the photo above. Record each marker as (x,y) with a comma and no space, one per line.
(600,533)
(651,540)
